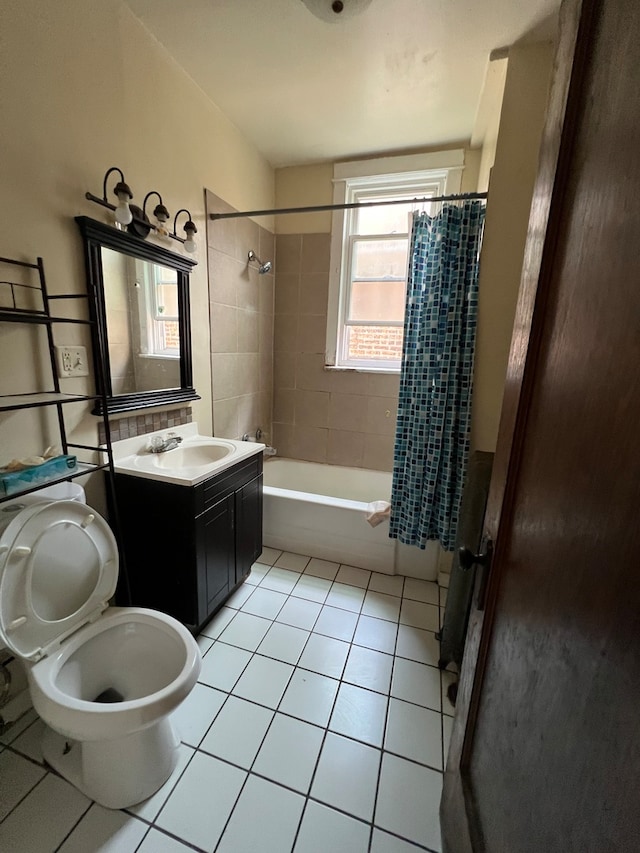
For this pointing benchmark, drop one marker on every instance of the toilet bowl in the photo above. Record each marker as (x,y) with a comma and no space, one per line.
(103,679)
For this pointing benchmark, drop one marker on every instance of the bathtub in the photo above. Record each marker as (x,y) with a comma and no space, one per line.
(320,511)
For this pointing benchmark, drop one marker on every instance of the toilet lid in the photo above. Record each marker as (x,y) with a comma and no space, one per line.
(58,570)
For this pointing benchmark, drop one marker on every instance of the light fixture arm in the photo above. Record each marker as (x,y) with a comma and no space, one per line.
(160,211)
(122,182)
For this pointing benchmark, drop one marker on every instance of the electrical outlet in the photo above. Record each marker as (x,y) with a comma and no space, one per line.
(72,361)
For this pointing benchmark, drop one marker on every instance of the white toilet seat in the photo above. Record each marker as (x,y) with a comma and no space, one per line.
(58,570)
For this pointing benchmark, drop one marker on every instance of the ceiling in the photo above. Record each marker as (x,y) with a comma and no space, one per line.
(401,75)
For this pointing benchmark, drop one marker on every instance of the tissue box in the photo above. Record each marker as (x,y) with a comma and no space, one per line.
(12,482)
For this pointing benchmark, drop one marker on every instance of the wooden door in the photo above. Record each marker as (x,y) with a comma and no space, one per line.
(545,754)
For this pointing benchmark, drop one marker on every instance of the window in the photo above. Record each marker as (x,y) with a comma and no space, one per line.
(369,256)
(159,315)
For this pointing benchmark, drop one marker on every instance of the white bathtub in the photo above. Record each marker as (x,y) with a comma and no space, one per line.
(320,511)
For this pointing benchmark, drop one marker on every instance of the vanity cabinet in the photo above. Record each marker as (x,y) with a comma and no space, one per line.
(188,547)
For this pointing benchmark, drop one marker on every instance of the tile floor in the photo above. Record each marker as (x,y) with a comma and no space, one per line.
(320,723)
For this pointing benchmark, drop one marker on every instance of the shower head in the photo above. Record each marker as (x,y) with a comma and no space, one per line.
(262,267)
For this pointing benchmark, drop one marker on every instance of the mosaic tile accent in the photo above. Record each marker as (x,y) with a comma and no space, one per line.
(143,424)
(436,376)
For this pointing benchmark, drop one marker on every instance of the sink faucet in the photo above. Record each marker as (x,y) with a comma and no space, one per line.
(160,445)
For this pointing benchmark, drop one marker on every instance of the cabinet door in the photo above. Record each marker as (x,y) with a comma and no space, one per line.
(216,528)
(248,527)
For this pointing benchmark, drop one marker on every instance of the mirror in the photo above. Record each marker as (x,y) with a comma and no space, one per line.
(139,302)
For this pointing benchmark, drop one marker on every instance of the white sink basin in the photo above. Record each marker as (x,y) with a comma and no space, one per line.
(195,459)
(186,456)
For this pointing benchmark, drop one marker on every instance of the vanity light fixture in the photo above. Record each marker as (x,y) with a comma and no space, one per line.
(137,219)
(189,229)
(160,212)
(123,193)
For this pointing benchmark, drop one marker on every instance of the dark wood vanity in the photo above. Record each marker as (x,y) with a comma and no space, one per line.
(187,548)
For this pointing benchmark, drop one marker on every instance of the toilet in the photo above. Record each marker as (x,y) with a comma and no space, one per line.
(103,679)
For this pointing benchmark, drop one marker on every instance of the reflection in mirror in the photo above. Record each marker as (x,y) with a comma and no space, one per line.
(143,327)
(139,302)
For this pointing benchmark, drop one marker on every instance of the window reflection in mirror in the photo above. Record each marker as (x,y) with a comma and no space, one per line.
(141,299)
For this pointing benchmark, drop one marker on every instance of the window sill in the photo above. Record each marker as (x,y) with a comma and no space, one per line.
(340,369)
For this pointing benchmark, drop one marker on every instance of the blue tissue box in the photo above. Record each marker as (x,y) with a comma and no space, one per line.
(12,482)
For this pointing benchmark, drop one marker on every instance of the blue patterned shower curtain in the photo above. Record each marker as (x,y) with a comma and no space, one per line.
(434,408)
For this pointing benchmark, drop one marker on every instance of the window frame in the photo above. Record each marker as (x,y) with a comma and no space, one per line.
(152,321)
(419,176)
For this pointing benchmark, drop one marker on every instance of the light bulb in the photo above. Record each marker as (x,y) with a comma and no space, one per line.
(123,211)
(190,243)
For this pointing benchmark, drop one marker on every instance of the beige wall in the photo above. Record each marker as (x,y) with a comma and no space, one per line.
(241,316)
(512,178)
(85,87)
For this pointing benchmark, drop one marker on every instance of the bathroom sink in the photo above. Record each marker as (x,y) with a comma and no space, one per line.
(192,456)
(196,457)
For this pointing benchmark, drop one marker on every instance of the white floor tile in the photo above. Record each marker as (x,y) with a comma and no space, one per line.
(345,596)
(295,562)
(246,631)
(269,556)
(389,584)
(222,666)
(201,802)
(376,634)
(310,697)
(30,741)
(106,830)
(414,732)
(280,580)
(265,819)
(325,829)
(239,597)
(289,753)
(148,809)
(336,623)
(416,644)
(409,800)
(158,842)
(381,606)
(299,613)
(44,817)
(192,719)
(353,576)
(312,588)
(368,668)
(258,571)
(347,775)
(382,842)
(283,642)
(17,777)
(264,602)
(322,568)
(447,706)
(359,714)
(417,683)
(324,655)
(419,615)
(447,728)
(204,644)
(18,727)
(237,732)
(420,590)
(264,681)
(219,622)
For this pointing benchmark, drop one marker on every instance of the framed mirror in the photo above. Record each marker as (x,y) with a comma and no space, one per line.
(139,302)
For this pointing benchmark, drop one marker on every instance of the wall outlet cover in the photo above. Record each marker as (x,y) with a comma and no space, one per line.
(72,361)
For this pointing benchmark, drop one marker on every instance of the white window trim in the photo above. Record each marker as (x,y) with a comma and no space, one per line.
(149,317)
(444,166)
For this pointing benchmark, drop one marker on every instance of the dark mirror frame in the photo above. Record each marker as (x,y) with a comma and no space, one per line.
(97,235)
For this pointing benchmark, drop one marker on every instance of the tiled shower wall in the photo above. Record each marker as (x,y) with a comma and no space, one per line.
(339,417)
(241,316)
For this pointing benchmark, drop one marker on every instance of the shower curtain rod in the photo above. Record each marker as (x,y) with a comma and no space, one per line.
(351,206)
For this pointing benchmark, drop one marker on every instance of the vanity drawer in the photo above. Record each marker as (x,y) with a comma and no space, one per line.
(221,485)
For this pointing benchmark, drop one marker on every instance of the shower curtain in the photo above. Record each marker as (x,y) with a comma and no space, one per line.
(434,408)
